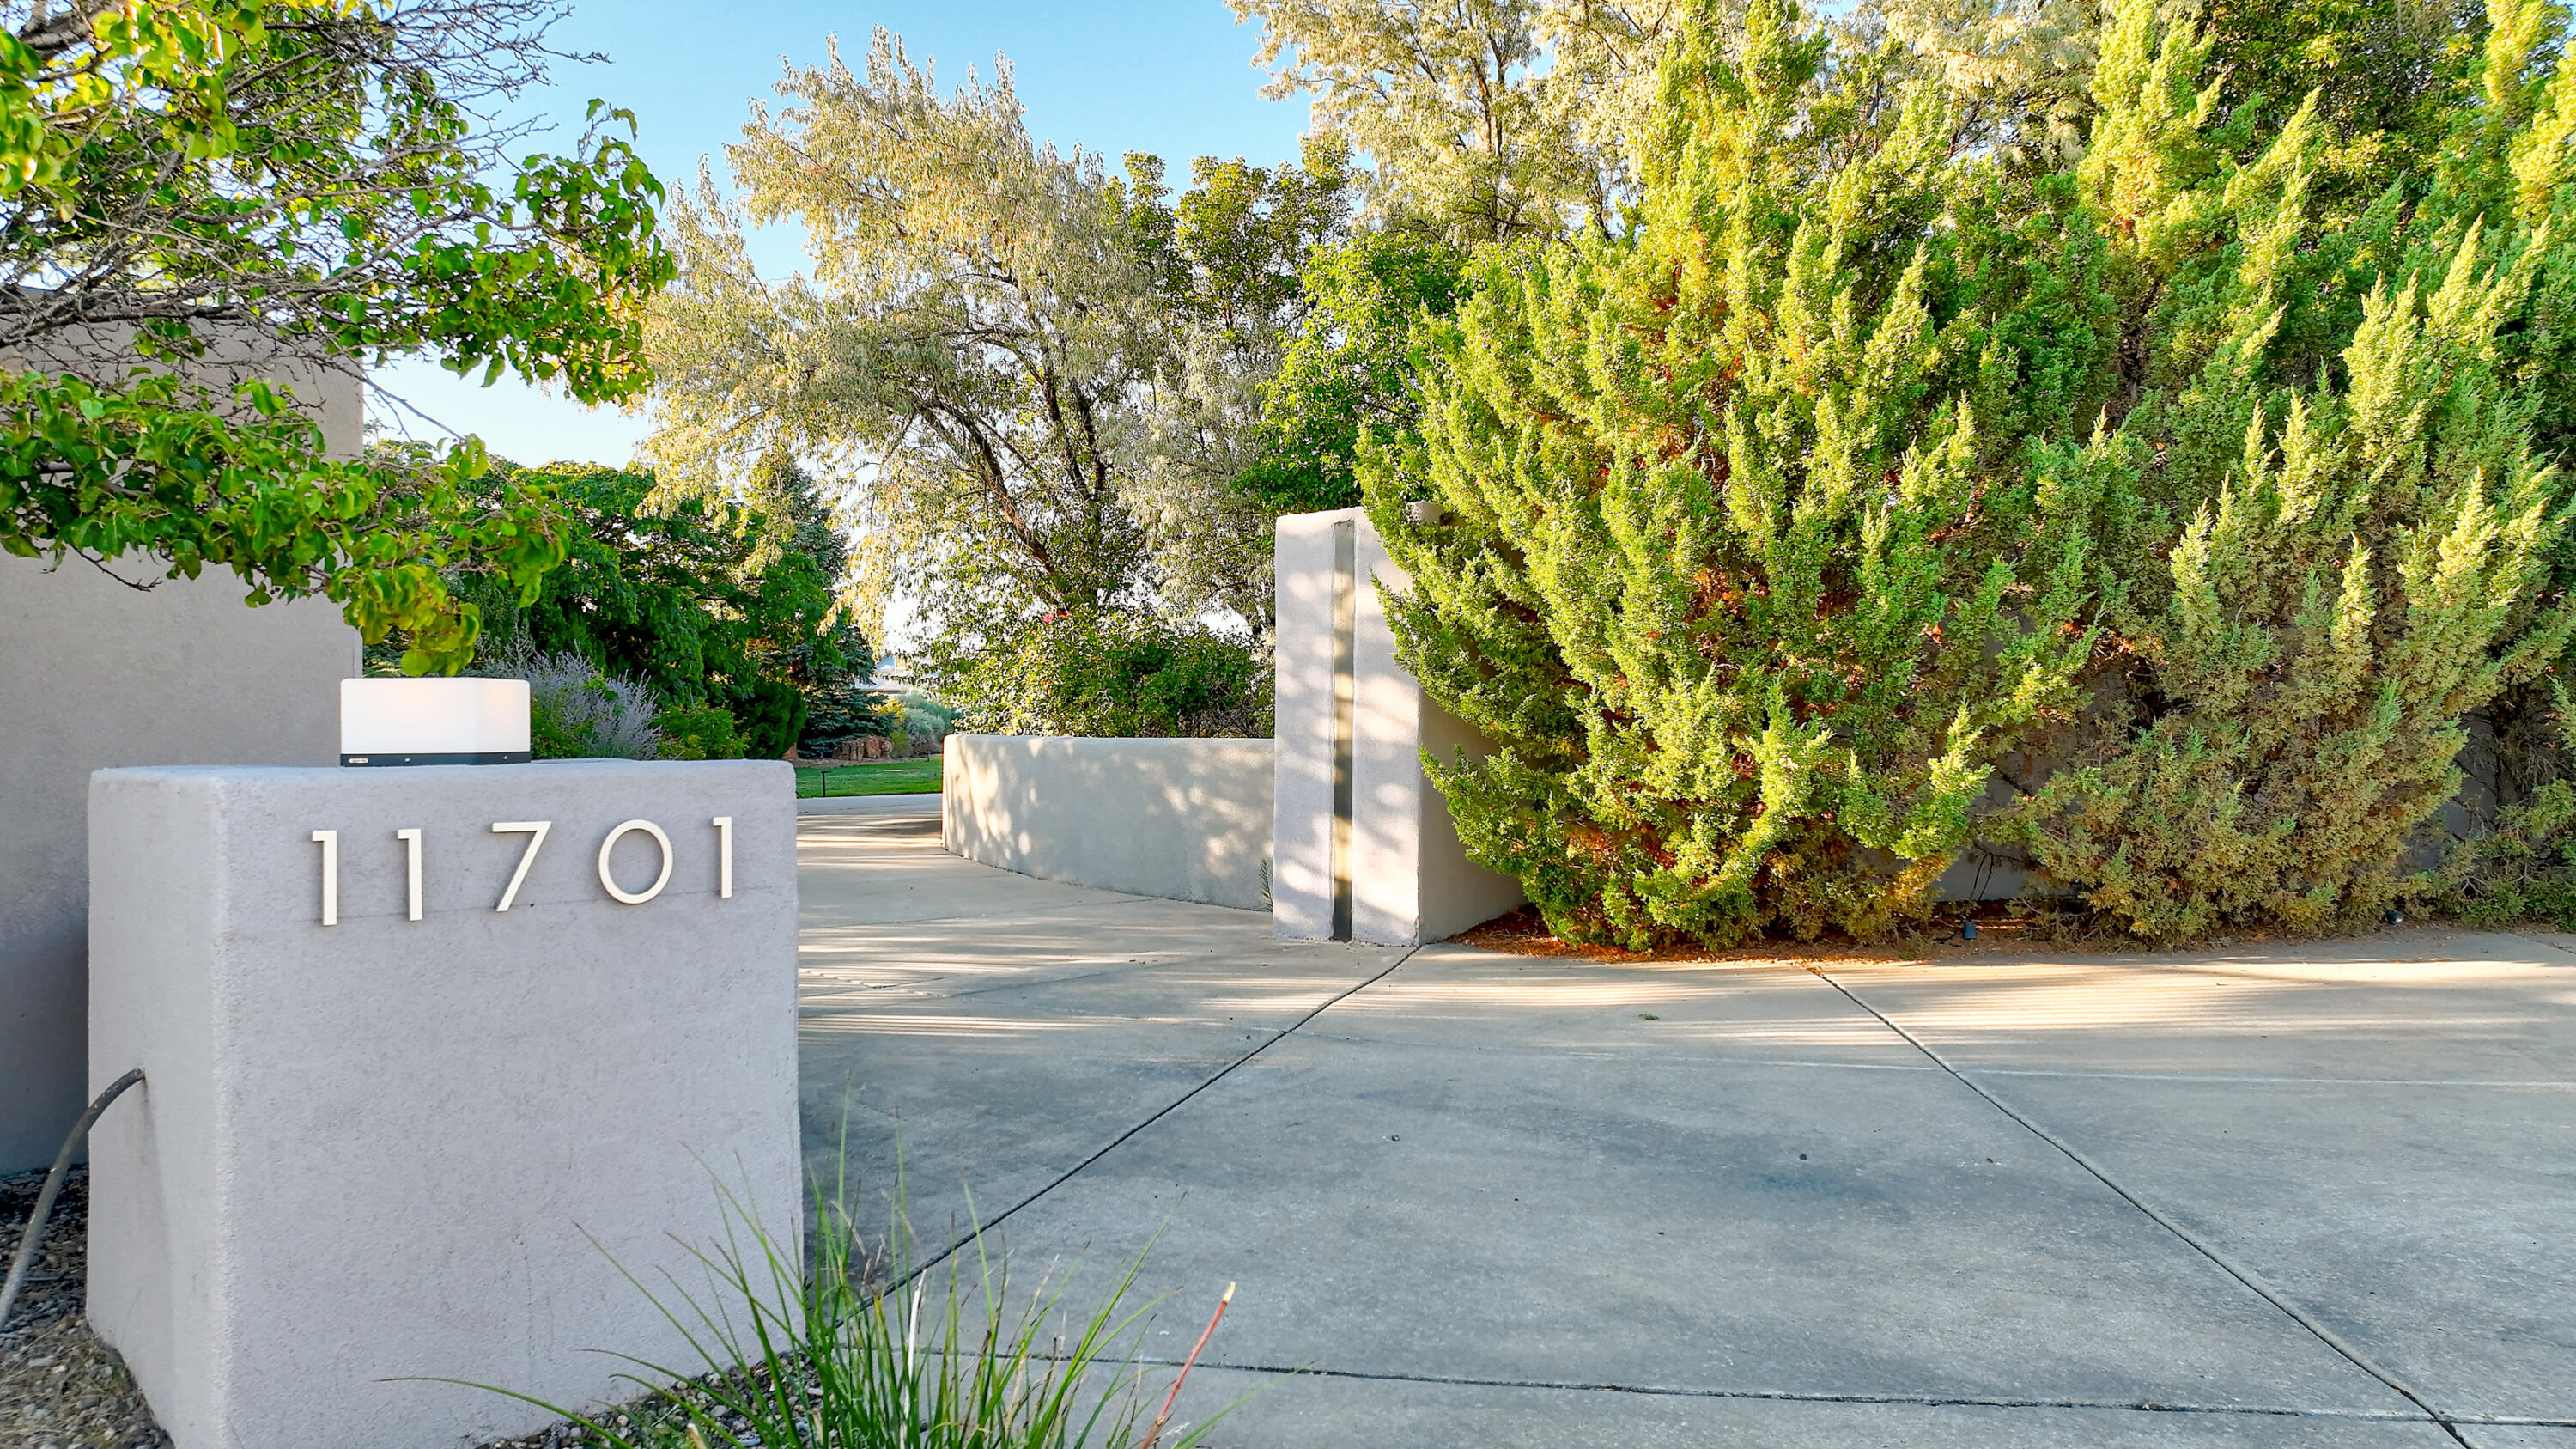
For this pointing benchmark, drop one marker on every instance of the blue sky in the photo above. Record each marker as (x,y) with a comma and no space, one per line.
(1169,76)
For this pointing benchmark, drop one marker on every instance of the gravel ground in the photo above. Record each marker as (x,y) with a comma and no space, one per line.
(60,1388)
(561,1436)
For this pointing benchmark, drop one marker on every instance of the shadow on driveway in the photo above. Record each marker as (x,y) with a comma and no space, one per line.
(2315,1195)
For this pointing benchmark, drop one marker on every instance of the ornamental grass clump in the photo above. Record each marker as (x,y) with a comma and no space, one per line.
(839,1347)
(1888,490)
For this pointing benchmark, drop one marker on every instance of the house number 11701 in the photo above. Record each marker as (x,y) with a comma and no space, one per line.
(535,830)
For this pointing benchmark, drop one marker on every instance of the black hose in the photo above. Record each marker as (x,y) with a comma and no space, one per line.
(34,1237)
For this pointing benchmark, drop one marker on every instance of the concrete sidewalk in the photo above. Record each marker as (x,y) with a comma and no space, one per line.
(2315,1195)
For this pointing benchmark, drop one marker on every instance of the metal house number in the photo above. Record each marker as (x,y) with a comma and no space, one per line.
(535,830)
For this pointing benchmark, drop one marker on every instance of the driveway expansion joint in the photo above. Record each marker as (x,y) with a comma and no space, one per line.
(1802,1396)
(1168,1109)
(2252,1281)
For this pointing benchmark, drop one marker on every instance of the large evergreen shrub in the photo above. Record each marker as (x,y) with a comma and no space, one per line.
(1734,578)
(2353,534)
(1879,459)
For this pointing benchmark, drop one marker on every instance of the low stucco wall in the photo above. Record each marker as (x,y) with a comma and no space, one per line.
(1188,820)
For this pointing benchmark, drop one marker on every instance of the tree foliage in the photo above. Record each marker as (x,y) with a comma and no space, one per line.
(1731,579)
(2388,77)
(1228,257)
(187,182)
(703,607)
(1128,676)
(2203,504)
(1045,370)
(1346,367)
(1487,120)
(2364,527)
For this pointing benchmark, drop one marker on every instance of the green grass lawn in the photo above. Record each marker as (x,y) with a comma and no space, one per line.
(876,777)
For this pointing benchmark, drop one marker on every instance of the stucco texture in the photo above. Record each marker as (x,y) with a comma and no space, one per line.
(1411,880)
(1186,820)
(393,1147)
(96,674)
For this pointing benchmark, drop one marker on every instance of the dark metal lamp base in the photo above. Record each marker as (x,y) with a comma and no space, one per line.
(485,757)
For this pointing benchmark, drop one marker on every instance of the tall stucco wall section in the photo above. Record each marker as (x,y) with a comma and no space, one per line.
(1408,877)
(1304,662)
(1187,820)
(95,675)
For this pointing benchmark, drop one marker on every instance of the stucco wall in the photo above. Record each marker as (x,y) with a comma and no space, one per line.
(1409,877)
(1188,820)
(94,674)
(429,1137)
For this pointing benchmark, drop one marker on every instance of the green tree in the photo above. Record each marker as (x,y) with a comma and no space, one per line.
(1347,366)
(311,179)
(801,563)
(1043,370)
(1487,120)
(705,607)
(975,327)
(1774,533)
(2365,531)
(1228,256)
(2388,77)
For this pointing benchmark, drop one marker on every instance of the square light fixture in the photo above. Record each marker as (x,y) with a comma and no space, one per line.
(433,721)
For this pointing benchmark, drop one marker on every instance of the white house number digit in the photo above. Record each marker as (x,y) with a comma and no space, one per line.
(329,840)
(535,830)
(634,898)
(411,867)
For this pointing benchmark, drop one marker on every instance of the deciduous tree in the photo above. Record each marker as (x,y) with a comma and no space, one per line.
(1044,371)
(318,180)
(1485,120)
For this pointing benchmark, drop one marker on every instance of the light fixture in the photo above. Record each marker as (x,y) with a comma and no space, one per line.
(433,721)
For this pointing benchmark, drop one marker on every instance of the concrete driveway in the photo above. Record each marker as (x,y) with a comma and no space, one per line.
(2313,1195)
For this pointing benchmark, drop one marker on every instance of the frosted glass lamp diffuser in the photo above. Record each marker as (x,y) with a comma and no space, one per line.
(433,721)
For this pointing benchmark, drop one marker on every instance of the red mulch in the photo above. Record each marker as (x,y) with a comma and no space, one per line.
(2003,928)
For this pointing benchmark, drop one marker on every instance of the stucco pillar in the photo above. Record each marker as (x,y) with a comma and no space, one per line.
(387,1129)
(1362,846)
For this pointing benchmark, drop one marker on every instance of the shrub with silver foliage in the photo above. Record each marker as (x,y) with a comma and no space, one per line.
(577,712)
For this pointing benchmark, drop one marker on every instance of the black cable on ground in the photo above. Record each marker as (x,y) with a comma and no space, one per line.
(34,1237)
(1175,1105)
(2246,1276)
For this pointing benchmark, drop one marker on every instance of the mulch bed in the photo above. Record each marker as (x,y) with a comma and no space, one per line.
(2003,928)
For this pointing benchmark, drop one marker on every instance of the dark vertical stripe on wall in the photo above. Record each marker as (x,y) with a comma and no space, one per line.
(1345,711)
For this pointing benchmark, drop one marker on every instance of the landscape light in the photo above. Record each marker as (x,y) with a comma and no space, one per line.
(433,722)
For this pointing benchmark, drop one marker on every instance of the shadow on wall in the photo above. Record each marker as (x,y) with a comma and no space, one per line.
(1183,819)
